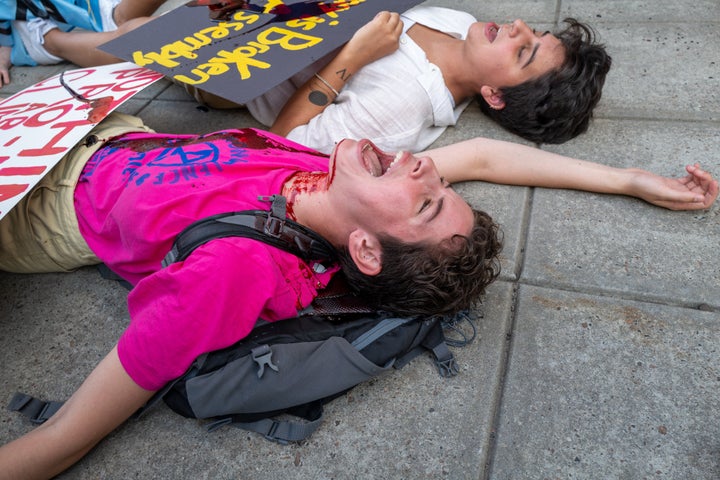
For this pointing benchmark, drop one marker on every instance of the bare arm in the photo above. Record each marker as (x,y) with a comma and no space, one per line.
(514,164)
(104,401)
(5,65)
(375,40)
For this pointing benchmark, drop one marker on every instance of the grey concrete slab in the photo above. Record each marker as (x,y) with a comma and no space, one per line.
(408,424)
(603,388)
(534,11)
(622,245)
(639,11)
(662,146)
(23,77)
(663,71)
(623,248)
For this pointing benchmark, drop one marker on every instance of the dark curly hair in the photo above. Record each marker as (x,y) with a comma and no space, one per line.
(557,106)
(418,279)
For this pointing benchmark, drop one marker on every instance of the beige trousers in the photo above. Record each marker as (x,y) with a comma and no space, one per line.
(41,233)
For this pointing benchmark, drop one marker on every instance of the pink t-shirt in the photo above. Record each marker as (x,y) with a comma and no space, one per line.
(139,191)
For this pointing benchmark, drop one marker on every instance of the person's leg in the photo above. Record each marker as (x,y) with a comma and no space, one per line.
(80,48)
(41,233)
(128,9)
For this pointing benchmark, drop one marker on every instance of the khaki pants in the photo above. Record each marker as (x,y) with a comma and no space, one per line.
(41,233)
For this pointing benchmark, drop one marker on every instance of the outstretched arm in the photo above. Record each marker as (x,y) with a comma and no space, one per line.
(514,164)
(105,400)
(376,39)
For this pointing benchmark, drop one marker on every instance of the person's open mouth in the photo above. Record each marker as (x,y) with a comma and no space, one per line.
(491,31)
(377,162)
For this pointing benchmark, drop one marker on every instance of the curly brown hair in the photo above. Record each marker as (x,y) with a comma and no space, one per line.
(557,106)
(419,279)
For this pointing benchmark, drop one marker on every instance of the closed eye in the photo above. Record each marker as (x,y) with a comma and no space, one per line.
(532,55)
(425,205)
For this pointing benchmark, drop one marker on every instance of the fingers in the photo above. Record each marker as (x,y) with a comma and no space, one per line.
(683,201)
(705,181)
(387,15)
(391,19)
(700,175)
(376,39)
(5,65)
(702,183)
(711,193)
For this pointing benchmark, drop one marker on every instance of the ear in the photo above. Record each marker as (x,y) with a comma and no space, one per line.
(365,251)
(493,97)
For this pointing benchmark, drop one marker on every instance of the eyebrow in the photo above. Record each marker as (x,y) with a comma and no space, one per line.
(535,49)
(437,210)
(532,55)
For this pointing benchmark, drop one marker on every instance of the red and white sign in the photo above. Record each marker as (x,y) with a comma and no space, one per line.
(41,123)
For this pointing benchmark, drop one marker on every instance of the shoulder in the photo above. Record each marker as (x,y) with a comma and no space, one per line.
(447,20)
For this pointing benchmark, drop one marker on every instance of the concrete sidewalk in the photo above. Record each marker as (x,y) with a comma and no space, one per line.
(599,355)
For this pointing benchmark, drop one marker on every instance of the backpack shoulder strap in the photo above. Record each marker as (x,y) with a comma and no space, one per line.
(271,227)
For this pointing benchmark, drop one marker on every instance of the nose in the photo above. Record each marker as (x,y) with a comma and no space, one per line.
(422,167)
(519,28)
(426,172)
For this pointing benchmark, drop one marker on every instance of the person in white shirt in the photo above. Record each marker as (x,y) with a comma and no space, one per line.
(540,86)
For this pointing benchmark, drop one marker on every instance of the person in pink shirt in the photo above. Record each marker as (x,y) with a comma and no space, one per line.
(392,217)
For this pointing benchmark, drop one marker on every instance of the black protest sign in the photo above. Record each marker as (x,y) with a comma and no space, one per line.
(237,49)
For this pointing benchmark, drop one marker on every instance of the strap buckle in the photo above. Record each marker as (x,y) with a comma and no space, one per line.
(262,355)
(275,222)
(36,410)
(274,226)
(448,367)
(270,435)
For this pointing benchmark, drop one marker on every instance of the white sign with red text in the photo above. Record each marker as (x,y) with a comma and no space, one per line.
(42,123)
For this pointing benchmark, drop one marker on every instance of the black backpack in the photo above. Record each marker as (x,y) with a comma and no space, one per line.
(292,366)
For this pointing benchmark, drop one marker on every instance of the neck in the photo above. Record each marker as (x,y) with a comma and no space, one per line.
(306,203)
(446,52)
(300,184)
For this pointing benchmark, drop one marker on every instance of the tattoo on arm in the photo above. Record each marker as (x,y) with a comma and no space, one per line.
(343,74)
(320,90)
(318,98)
(320,93)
